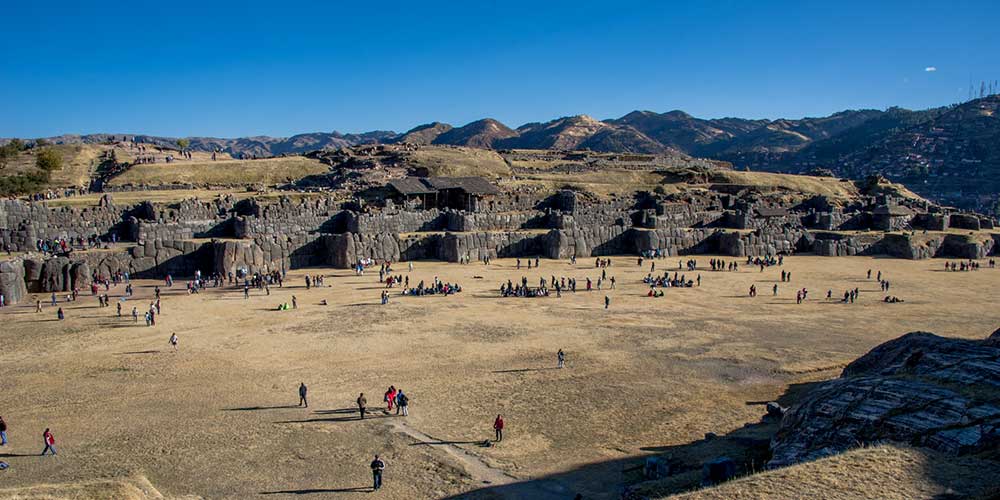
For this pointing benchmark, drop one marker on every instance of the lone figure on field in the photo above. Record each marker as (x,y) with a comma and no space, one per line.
(377,465)
(362,402)
(50,443)
(173,340)
(498,427)
(302,395)
(561,356)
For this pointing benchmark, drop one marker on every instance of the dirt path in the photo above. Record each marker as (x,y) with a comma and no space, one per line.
(484,474)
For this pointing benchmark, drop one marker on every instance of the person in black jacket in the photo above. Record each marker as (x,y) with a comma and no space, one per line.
(377,465)
(302,395)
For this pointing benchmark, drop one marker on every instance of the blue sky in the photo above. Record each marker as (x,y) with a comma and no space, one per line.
(279,68)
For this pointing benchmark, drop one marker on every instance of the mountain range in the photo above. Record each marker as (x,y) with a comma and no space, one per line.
(949,153)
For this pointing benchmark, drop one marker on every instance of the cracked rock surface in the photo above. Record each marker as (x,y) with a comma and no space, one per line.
(919,389)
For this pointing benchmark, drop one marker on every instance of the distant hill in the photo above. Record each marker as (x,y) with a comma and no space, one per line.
(950,154)
(485,133)
(423,134)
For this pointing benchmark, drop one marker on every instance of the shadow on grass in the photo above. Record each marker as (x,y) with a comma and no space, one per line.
(747,446)
(520,370)
(319,490)
(257,408)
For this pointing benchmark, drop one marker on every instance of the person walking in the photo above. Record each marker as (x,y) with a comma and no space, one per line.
(390,398)
(50,442)
(378,466)
(607,301)
(362,402)
(561,356)
(3,432)
(303,401)
(498,427)
(402,403)
(173,340)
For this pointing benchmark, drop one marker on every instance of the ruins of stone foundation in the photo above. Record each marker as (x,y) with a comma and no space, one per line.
(454,219)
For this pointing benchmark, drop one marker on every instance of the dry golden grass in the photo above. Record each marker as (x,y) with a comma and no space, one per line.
(218,418)
(459,162)
(78,163)
(268,171)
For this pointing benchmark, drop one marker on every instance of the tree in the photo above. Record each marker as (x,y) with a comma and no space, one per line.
(183,143)
(48,160)
(41,143)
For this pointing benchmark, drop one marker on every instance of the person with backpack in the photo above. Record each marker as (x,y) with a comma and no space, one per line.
(377,465)
(498,427)
(50,442)
(402,403)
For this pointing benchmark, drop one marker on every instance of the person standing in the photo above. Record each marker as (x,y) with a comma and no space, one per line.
(390,398)
(402,404)
(173,340)
(362,402)
(60,314)
(50,443)
(498,427)
(607,301)
(377,465)
(3,432)
(303,401)
(561,356)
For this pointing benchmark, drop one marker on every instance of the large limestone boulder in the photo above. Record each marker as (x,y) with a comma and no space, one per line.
(80,275)
(919,389)
(55,275)
(12,283)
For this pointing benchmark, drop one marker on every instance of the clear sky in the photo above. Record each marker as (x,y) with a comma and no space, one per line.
(278,68)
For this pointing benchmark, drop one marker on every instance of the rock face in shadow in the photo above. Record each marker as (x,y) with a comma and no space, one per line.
(12,284)
(919,389)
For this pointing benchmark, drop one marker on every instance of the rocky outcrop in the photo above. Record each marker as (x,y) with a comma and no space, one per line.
(919,389)
(12,283)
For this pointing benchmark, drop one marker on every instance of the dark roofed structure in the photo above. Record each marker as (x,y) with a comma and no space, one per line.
(471,185)
(463,193)
(408,186)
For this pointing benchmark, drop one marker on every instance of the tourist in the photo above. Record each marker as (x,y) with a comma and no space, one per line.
(302,395)
(3,432)
(498,427)
(135,315)
(561,357)
(402,403)
(173,340)
(362,403)
(377,465)
(50,442)
(295,302)
(607,301)
(60,315)
(390,398)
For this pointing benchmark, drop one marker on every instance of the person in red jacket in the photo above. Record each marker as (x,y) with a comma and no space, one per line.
(498,427)
(50,442)
(390,397)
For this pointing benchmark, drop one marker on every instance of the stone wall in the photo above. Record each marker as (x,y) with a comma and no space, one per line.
(22,223)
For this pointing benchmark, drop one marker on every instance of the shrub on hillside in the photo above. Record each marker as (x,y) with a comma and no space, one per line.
(48,160)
